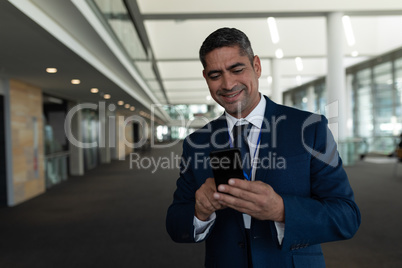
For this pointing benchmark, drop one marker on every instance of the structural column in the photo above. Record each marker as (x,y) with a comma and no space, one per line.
(335,82)
(8,165)
(310,99)
(276,95)
(104,131)
(76,150)
(349,108)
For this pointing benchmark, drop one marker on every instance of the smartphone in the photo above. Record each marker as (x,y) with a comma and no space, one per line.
(226,164)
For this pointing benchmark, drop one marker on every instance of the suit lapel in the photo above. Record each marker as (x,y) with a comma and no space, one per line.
(266,137)
(219,139)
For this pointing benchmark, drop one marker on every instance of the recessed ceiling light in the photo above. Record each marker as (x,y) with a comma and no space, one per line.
(273,29)
(355,53)
(94,90)
(51,70)
(279,53)
(269,79)
(132,108)
(127,106)
(107,96)
(75,81)
(120,102)
(299,64)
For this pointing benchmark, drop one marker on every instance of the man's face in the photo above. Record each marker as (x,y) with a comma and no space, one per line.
(233,80)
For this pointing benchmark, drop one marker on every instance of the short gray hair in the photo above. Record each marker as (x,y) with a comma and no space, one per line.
(226,37)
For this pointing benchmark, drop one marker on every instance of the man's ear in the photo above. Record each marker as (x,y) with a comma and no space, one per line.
(257,66)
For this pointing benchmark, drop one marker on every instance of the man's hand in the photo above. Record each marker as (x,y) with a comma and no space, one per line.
(254,198)
(205,203)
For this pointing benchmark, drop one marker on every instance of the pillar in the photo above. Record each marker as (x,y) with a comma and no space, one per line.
(5,91)
(276,95)
(335,82)
(310,99)
(76,152)
(105,112)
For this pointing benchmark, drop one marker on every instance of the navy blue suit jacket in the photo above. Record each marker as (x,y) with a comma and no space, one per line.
(299,159)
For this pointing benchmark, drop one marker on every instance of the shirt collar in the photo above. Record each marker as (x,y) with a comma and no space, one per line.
(256,116)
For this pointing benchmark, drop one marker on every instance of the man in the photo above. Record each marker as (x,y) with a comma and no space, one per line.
(298,194)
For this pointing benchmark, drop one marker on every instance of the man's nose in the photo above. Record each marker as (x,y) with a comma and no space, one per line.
(228,82)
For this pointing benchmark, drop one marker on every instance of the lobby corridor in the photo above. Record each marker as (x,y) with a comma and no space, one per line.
(114,216)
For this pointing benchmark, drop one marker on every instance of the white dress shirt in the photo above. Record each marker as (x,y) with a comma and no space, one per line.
(256,117)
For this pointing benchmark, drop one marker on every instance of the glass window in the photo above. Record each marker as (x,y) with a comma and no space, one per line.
(363,105)
(179,133)
(287,99)
(376,99)
(321,100)
(300,99)
(184,111)
(383,105)
(398,87)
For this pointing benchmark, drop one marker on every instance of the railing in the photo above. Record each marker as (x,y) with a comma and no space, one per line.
(382,144)
(353,149)
(350,150)
(56,168)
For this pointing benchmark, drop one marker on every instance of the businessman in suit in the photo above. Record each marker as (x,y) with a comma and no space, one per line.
(297,195)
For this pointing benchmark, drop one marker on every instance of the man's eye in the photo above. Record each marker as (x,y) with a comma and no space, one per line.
(238,70)
(214,77)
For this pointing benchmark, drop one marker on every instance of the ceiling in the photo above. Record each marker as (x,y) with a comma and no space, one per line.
(32,40)
(36,34)
(177,28)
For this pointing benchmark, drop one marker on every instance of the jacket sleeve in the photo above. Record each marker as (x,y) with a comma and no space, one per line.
(330,213)
(180,214)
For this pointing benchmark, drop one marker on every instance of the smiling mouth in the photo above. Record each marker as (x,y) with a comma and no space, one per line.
(232,95)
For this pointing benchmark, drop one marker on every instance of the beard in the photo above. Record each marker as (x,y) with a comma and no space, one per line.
(236,106)
(241,106)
